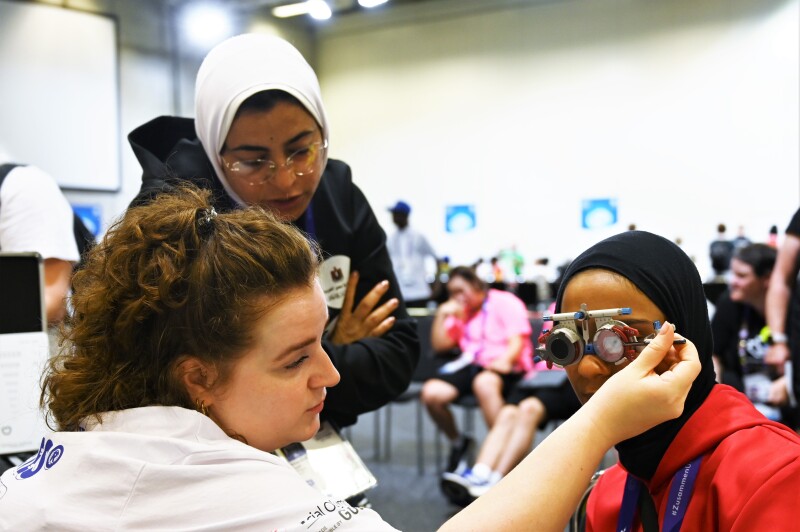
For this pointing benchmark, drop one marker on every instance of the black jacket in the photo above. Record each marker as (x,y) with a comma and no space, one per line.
(373,370)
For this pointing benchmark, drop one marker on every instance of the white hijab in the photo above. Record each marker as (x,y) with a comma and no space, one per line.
(238,68)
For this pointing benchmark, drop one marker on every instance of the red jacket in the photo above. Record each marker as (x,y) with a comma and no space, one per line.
(749,477)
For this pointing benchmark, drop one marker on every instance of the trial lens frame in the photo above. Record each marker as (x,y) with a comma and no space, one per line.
(614,341)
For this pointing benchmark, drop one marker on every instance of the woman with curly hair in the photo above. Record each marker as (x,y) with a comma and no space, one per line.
(195,350)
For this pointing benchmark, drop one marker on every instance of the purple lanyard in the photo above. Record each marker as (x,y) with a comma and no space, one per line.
(680,491)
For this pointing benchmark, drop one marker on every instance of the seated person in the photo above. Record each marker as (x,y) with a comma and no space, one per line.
(195,350)
(741,336)
(720,465)
(528,409)
(35,216)
(492,331)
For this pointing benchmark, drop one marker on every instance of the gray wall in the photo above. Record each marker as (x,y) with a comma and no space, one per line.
(686,112)
(154,81)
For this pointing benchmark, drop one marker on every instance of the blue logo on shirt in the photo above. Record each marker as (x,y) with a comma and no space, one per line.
(47,457)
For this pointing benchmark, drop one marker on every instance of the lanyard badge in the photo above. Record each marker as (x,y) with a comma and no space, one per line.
(614,341)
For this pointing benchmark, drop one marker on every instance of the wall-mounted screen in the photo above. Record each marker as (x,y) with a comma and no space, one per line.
(59,93)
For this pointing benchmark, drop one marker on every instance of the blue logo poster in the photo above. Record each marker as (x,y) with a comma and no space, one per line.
(90,215)
(597,213)
(460,218)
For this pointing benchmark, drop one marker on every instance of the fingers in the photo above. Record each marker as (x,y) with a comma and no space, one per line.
(688,365)
(624,393)
(450,307)
(367,305)
(383,327)
(687,368)
(378,317)
(364,319)
(350,294)
(657,349)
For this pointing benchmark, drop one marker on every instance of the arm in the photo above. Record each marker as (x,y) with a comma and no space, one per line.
(778,392)
(778,294)
(441,338)
(613,414)
(35,216)
(374,370)
(505,363)
(57,276)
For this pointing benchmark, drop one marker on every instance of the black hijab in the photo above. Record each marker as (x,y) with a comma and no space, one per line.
(663,272)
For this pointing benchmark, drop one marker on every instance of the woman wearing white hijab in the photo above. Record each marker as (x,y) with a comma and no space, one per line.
(261,137)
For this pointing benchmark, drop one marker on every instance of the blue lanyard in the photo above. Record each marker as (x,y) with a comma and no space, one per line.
(308,222)
(680,492)
(629,500)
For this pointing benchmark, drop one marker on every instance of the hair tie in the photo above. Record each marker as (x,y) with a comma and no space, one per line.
(204,219)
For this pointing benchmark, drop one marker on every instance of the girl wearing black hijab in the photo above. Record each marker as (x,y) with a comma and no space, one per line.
(721,465)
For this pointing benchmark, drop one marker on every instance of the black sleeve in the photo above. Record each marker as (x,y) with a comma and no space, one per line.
(793,314)
(170,154)
(794,224)
(373,370)
(725,327)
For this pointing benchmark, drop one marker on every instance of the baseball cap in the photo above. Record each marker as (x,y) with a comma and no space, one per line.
(401,206)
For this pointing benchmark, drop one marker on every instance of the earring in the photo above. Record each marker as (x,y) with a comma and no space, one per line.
(201,407)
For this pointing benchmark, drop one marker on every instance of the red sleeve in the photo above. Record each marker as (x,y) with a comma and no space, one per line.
(774,506)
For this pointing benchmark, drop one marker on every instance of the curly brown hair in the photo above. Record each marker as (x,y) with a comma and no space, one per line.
(169,278)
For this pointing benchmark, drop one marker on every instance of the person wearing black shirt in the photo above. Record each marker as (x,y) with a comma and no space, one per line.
(741,335)
(261,137)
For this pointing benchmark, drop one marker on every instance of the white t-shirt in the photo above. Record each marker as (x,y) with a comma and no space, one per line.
(165,468)
(35,215)
(408,250)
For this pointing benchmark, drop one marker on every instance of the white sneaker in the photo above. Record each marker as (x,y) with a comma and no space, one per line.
(456,486)
(465,486)
(480,487)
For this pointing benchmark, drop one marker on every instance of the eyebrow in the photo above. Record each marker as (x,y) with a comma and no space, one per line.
(295,347)
(254,147)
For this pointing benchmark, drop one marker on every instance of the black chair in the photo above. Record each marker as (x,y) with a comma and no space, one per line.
(529,294)
(427,368)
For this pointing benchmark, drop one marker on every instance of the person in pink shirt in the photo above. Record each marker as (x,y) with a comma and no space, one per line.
(492,331)
(543,395)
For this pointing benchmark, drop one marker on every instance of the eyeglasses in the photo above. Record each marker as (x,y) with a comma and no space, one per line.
(613,342)
(259,171)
